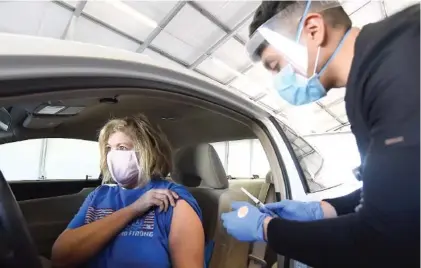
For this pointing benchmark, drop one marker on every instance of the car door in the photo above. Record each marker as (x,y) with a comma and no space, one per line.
(49,206)
(108,68)
(303,172)
(310,176)
(48,186)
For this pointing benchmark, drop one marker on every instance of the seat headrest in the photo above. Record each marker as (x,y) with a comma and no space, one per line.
(269,177)
(199,165)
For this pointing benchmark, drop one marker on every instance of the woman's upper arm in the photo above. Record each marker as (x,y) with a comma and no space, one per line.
(187,238)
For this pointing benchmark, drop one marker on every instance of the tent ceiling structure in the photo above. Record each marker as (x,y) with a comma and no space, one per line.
(205,36)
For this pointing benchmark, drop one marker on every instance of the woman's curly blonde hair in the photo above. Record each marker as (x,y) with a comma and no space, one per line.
(150,144)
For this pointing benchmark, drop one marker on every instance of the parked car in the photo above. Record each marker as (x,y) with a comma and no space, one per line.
(61,90)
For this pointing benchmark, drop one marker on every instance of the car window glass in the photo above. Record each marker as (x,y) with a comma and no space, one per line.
(243,158)
(50,159)
(326,160)
(71,159)
(340,153)
(21,160)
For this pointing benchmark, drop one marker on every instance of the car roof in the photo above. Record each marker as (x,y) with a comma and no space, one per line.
(37,55)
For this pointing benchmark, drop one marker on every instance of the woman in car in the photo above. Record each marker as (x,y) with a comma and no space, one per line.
(137,218)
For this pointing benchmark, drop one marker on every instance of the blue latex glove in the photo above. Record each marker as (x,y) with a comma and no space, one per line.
(297,210)
(244,226)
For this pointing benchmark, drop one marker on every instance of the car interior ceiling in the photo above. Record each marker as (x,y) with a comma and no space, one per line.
(185,120)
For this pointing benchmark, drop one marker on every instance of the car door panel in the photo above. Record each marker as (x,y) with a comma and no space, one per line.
(49,206)
(48,217)
(28,190)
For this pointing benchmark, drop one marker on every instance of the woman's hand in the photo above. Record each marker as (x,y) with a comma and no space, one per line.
(161,198)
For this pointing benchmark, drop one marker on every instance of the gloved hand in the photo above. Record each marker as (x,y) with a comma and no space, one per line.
(297,210)
(245,222)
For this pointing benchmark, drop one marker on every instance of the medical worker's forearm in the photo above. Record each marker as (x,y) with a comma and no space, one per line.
(328,210)
(76,246)
(345,204)
(384,233)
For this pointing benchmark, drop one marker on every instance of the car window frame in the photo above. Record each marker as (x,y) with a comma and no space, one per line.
(294,157)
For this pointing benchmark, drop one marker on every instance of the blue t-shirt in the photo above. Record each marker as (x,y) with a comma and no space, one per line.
(144,242)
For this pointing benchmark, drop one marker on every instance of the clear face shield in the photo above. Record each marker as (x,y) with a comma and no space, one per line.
(283,31)
(279,45)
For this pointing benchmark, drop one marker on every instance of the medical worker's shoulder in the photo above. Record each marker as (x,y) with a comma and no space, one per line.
(384,78)
(376,39)
(394,26)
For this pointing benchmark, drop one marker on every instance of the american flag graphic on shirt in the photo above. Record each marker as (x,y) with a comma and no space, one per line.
(148,222)
(143,226)
(94,214)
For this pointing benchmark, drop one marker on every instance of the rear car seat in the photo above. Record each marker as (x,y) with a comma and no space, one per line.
(271,196)
(200,169)
(264,190)
(252,185)
(267,194)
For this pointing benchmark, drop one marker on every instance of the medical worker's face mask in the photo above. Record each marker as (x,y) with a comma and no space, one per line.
(296,89)
(282,34)
(124,167)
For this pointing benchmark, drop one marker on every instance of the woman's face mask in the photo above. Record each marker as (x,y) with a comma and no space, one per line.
(123,166)
(122,160)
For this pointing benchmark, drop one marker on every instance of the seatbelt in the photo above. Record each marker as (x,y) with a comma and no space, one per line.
(264,191)
(257,256)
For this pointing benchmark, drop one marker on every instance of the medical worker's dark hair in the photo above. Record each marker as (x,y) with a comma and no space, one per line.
(335,17)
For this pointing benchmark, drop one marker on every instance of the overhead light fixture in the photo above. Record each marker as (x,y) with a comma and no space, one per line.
(5,119)
(58,110)
(40,122)
(71,110)
(3,126)
(49,109)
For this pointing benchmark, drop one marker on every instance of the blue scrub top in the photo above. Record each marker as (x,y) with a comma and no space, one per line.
(144,242)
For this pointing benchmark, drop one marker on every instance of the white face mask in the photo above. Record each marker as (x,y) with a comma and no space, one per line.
(124,167)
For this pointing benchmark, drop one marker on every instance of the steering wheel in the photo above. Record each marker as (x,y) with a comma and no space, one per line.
(16,246)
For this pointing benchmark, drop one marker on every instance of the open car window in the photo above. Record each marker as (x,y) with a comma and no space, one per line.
(311,151)
(50,159)
(310,160)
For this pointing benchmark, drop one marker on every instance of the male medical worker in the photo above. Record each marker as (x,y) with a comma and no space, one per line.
(311,47)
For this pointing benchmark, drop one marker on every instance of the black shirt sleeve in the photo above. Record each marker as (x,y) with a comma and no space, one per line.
(385,232)
(345,204)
